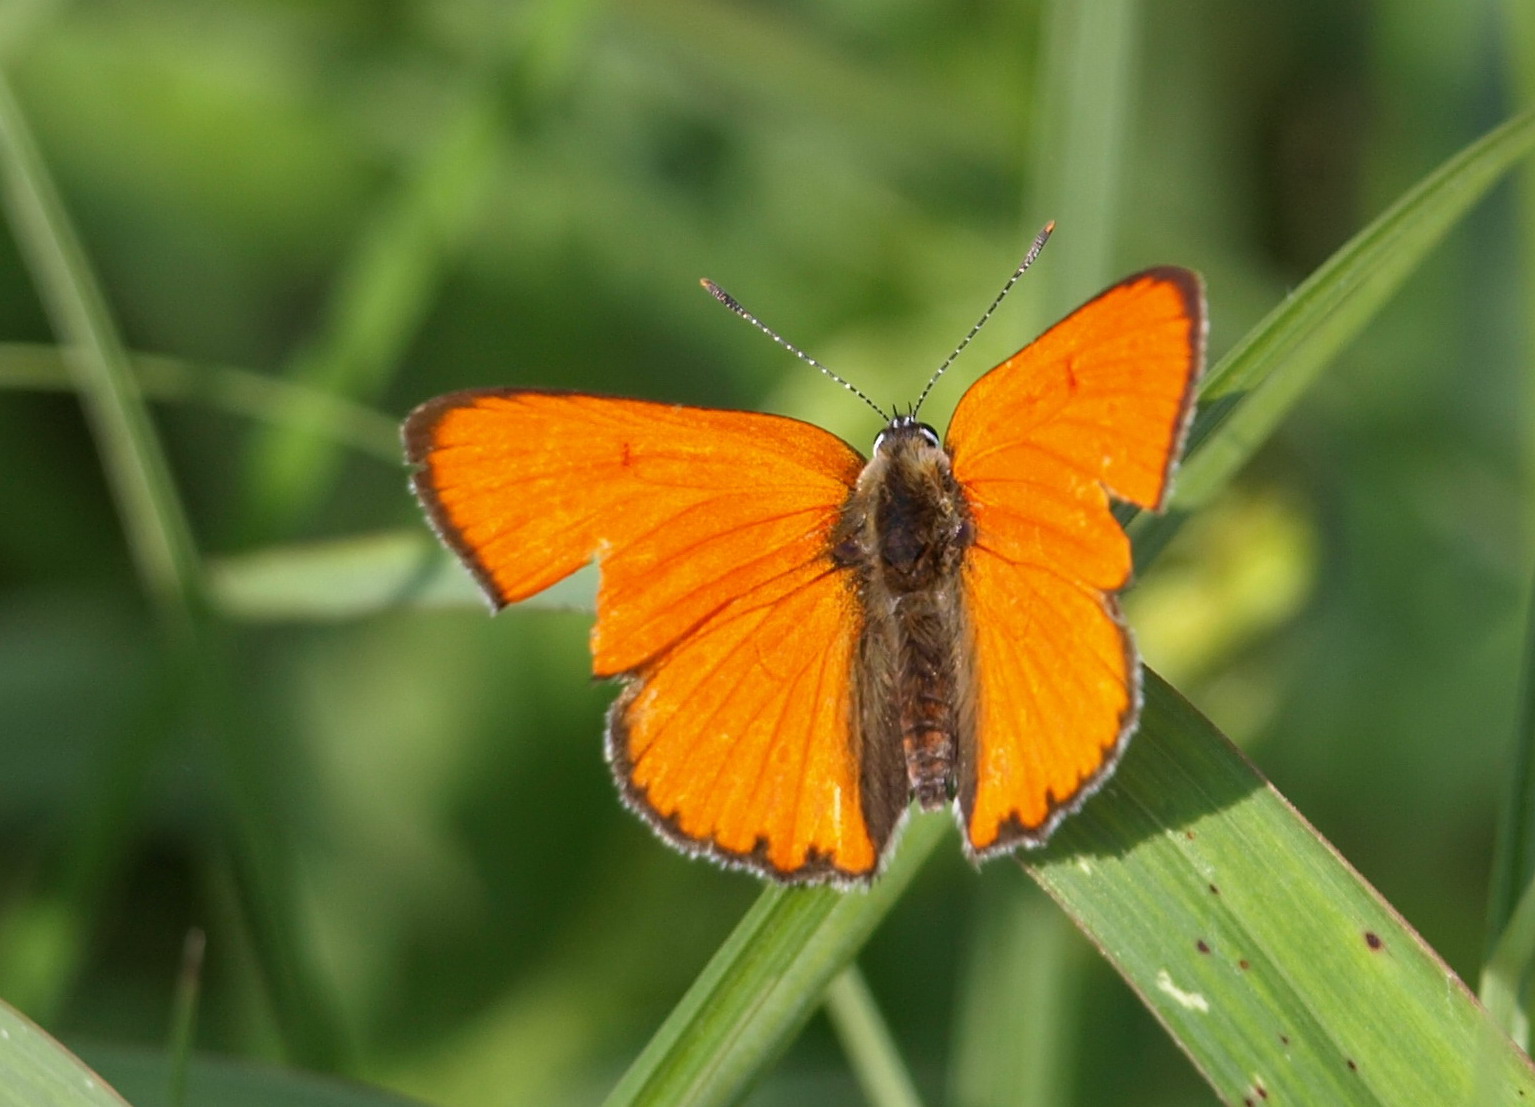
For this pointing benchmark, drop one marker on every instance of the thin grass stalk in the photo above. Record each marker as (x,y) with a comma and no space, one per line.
(866,1039)
(159,536)
(188,989)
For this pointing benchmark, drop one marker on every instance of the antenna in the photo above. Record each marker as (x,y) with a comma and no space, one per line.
(1028,259)
(735,305)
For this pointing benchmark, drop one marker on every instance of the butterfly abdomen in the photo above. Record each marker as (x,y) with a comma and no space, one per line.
(904,532)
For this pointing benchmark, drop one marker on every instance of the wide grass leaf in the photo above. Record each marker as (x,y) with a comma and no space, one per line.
(1279,971)
(351,577)
(35,1071)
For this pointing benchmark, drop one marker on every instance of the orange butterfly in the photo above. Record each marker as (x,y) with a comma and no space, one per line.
(807,639)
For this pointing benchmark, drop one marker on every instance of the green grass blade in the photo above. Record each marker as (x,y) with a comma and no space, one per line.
(354,577)
(866,1040)
(1255,385)
(763,983)
(189,983)
(1281,973)
(25,365)
(35,1071)
(1508,968)
(156,526)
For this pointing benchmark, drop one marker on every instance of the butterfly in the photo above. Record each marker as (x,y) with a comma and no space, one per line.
(808,640)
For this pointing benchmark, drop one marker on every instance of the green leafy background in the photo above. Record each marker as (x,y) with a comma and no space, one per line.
(390,818)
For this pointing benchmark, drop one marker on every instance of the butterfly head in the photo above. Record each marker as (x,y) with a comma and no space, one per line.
(907,524)
(904,432)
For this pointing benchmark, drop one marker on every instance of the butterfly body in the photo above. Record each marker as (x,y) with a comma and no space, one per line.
(808,640)
(902,538)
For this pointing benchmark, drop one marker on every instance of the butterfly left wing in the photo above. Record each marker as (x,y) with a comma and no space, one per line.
(718,603)
(1098,403)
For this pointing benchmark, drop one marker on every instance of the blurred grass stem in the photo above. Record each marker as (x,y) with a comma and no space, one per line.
(865,1037)
(184,1014)
(159,536)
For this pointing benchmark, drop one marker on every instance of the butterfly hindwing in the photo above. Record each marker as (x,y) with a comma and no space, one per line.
(740,740)
(1058,693)
(718,602)
(1098,404)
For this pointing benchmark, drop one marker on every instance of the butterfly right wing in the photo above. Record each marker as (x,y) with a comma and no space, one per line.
(1099,403)
(718,603)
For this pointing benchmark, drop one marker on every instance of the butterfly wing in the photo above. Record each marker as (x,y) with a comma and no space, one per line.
(1099,403)
(718,602)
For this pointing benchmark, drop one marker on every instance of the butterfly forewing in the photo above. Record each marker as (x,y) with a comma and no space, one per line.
(1108,390)
(1100,401)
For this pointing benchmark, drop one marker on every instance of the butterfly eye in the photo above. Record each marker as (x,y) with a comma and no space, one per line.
(929,435)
